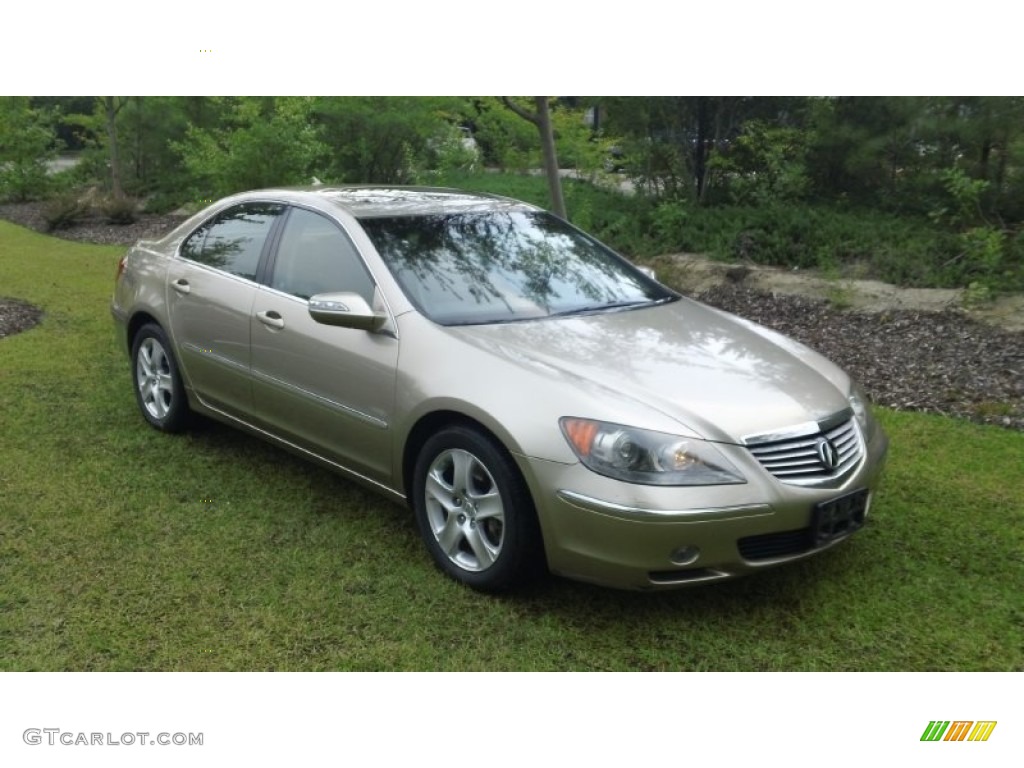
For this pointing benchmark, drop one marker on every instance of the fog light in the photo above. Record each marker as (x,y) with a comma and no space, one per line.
(684,555)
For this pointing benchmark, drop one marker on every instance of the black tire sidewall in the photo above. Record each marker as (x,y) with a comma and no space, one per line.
(521,557)
(177,415)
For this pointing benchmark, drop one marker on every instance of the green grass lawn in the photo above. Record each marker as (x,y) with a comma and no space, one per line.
(125,549)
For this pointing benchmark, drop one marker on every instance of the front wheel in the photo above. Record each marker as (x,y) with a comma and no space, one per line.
(158,389)
(474,511)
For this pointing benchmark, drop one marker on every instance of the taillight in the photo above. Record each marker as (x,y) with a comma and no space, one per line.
(120,267)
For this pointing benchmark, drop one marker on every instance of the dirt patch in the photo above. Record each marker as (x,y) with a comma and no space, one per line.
(695,274)
(17,316)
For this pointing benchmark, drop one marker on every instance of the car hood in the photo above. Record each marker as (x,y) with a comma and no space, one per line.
(722,377)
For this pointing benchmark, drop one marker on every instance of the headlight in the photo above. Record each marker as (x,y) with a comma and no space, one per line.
(861,410)
(646,457)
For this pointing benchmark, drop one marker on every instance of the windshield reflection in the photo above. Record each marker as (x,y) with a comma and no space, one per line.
(474,268)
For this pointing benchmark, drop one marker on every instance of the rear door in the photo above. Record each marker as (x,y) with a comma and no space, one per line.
(211,287)
(325,388)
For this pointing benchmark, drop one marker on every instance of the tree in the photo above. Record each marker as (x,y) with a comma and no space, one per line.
(670,141)
(506,141)
(111,106)
(260,142)
(542,120)
(27,141)
(384,140)
(988,133)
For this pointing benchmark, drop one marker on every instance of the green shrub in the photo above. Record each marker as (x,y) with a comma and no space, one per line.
(766,164)
(65,211)
(164,202)
(901,250)
(23,180)
(904,250)
(120,210)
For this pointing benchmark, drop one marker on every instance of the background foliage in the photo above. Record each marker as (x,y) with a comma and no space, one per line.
(916,190)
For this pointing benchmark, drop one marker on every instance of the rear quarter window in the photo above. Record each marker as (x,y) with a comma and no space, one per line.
(234,239)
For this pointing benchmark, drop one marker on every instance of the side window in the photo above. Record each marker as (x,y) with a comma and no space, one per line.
(234,240)
(315,256)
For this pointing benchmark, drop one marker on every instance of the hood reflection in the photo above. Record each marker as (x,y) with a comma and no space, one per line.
(716,374)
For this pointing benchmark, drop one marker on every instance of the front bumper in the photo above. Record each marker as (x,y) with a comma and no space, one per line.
(641,537)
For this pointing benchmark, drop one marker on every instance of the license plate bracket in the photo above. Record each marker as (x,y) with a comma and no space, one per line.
(837,518)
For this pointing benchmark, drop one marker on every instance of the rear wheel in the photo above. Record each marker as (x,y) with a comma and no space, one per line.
(158,389)
(474,511)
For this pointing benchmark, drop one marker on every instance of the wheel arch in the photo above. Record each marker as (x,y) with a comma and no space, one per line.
(137,320)
(142,318)
(529,553)
(430,423)
(170,411)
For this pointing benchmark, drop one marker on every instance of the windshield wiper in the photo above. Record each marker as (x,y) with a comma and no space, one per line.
(587,309)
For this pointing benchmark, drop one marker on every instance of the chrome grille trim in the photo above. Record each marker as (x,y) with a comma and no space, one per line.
(794,457)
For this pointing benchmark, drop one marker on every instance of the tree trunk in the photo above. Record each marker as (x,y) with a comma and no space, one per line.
(140,160)
(115,157)
(547,139)
(542,119)
(700,147)
(986,154)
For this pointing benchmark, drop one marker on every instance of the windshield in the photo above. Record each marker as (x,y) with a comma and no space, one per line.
(491,267)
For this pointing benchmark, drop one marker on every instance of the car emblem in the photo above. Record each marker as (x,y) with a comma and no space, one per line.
(827,453)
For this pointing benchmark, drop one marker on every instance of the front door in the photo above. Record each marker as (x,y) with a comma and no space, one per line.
(328,389)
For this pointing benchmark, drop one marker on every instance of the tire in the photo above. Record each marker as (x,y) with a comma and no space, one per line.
(159,391)
(474,511)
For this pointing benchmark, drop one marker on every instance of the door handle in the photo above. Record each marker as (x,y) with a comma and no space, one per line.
(181,286)
(271,319)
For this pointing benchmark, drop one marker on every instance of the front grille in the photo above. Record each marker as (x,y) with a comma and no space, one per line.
(769,545)
(812,458)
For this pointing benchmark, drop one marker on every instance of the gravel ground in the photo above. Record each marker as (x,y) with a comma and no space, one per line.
(93,229)
(938,362)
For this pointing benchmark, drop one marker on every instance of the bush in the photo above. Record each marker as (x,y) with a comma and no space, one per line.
(765,165)
(23,180)
(453,150)
(120,210)
(898,249)
(65,211)
(903,250)
(161,202)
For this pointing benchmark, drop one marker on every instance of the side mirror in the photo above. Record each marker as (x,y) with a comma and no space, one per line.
(648,271)
(347,310)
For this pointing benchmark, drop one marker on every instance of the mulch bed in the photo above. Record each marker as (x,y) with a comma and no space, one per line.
(92,229)
(937,362)
(17,316)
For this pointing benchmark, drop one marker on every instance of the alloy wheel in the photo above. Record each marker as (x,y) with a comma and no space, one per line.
(465,509)
(154,379)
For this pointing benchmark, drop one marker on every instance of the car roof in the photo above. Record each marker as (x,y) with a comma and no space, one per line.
(364,202)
